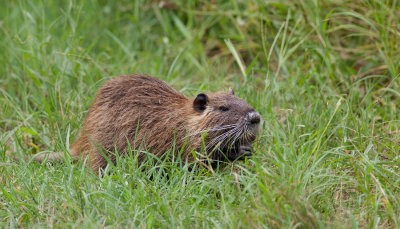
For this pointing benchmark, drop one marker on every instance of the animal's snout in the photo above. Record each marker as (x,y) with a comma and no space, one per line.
(254,118)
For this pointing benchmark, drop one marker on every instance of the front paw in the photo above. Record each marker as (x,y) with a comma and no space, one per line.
(240,153)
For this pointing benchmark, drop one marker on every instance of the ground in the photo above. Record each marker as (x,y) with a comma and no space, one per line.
(323,75)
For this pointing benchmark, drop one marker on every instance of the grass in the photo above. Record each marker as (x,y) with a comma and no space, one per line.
(323,74)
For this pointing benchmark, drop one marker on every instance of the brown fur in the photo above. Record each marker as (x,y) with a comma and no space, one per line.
(147,113)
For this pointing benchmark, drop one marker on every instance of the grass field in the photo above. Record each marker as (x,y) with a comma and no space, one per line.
(324,75)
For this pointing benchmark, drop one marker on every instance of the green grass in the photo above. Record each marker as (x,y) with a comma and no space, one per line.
(323,74)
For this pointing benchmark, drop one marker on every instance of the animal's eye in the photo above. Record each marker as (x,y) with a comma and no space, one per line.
(223,108)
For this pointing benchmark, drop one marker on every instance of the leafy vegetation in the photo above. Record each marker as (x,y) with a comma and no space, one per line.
(323,75)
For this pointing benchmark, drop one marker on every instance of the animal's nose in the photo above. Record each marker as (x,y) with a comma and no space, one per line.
(254,118)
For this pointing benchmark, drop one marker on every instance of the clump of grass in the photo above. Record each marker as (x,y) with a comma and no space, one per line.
(324,76)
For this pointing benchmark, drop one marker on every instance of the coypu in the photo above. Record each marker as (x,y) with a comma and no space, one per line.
(139,110)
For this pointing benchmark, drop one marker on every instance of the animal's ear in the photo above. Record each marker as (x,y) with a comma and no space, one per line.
(231,91)
(200,102)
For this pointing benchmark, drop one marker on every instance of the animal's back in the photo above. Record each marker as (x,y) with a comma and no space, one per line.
(126,110)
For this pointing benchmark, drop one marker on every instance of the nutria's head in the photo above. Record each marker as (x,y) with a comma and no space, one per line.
(227,122)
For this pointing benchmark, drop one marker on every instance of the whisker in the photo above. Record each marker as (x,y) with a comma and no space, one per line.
(214,129)
(247,133)
(221,138)
(232,136)
(239,133)
(220,127)
(236,136)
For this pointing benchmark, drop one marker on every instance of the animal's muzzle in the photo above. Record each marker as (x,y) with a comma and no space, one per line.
(254,118)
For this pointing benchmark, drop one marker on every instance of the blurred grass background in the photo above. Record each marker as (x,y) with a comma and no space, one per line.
(323,74)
